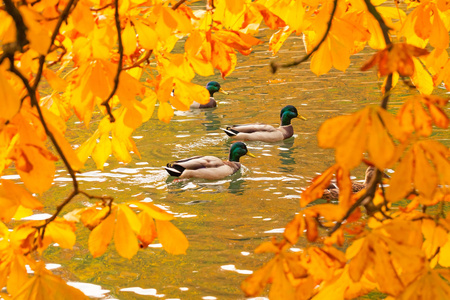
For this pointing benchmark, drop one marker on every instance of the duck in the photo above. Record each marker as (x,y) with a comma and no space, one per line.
(212,87)
(264,132)
(332,191)
(209,167)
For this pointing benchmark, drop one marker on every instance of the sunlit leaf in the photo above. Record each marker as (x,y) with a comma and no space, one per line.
(124,237)
(171,238)
(101,235)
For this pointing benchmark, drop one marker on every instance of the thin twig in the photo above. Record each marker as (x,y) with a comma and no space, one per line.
(119,65)
(365,198)
(140,61)
(178,4)
(101,8)
(275,66)
(34,102)
(55,33)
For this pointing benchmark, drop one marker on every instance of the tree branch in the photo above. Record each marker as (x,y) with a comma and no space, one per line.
(275,66)
(364,199)
(21,29)
(119,65)
(178,4)
(55,33)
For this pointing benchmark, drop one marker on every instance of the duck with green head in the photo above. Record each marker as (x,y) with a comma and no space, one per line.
(212,87)
(264,132)
(209,167)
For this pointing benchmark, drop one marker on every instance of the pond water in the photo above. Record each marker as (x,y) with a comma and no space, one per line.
(224,220)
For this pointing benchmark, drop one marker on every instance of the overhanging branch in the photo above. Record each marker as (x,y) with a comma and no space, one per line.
(275,66)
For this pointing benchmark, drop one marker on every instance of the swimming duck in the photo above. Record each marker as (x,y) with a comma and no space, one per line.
(209,167)
(332,192)
(266,133)
(212,87)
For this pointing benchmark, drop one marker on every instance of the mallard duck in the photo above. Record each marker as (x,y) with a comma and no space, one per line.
(332,192)
(212,87)
(266,133)
(209,167)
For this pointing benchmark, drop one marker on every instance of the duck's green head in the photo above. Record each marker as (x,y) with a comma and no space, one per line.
(237,150)
(288,113)
(213,87)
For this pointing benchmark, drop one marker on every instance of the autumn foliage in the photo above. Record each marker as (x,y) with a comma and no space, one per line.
(117,57)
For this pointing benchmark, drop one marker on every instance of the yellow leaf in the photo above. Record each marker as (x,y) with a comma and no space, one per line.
(22,212)
(148,229)
(380,146)
(146,35)
(21,195)
(153,211)
(319,183)
(45,285)
(439,33)
(61,232)
(40,177)
(425,177)
(129,39)
(18,275)
(82,18)
(119,149)
(294,229)
(421,78)
(10,101)
(255,283)
(281,287)
(85,150)
(124,237)
(102,151)
(171,238)
(278,38)
(189,92)
(133,220)
(101,235)
(321,61)
(428,286)
(66,148)
(401,181)
(55,81)
(267,247)
(165,112)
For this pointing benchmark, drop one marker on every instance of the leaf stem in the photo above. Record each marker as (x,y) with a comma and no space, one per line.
(275,66)
(119,65)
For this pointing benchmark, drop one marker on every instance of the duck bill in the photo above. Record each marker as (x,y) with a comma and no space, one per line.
(250,154)
(222,91)
(302,117)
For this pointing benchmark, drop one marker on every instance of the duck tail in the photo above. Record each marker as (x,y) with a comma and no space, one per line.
(230,132)
(174,170)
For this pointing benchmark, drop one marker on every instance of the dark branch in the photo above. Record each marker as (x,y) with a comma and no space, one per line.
(140,61)
(55,33)
(276,66)
(34,102)
(119,65)
(21,29)
(364,199)
(178,4)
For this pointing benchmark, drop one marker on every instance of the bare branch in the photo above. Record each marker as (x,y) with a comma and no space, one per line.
(119,65)
(140,61)
(34,102)
(364,199)
(21,29)
(275,66)
(55,33)
(178,4)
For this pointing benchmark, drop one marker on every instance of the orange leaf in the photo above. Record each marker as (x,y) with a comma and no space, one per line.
(171,238)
